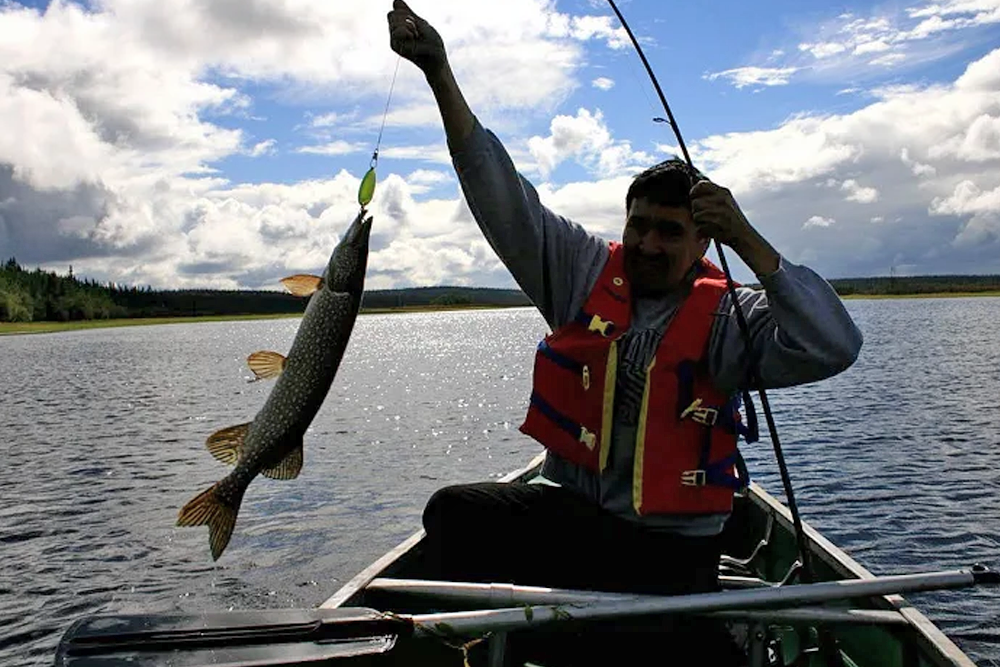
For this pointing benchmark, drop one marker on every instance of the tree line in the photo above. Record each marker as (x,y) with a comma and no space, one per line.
(27,296)
(37,296)
(889,285)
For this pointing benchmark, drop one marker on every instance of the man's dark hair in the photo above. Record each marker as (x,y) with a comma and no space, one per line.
(668,183)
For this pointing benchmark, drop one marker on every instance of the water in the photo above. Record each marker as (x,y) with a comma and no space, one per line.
(102,434)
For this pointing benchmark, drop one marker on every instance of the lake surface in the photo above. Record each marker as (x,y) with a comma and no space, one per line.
(102,434)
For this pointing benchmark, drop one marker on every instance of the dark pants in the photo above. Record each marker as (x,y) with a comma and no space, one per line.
(535,534)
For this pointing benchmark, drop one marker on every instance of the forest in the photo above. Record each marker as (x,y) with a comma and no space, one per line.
(44,296)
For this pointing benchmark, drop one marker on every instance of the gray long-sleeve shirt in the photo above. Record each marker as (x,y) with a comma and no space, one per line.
(800,330)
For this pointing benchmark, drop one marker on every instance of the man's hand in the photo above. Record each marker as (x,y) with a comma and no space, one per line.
(717,216)
(416,40)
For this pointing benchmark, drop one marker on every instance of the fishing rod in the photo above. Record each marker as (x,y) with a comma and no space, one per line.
(804,557)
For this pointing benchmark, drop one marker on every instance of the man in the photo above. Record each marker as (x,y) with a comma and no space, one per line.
(636,392)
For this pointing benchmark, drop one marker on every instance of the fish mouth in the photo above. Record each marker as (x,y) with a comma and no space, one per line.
(360,230)
(346,270)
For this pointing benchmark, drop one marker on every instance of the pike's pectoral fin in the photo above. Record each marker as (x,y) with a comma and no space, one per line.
(266,365)
(227,444)
(207,509)
(289,468)
(302,284)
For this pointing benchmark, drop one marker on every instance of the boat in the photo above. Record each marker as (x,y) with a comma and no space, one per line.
(392,613)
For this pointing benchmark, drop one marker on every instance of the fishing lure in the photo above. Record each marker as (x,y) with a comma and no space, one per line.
(367,189)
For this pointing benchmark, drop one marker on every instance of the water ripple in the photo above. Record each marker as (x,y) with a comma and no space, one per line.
(104,431)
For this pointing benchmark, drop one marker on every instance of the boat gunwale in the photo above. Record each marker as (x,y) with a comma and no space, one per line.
(933,642)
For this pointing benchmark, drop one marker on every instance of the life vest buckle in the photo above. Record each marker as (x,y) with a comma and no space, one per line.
(694,478)
(588,438)
(703,416)
(603,327)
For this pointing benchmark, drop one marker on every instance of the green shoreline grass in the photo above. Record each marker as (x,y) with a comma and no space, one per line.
(12,328)
(919,295)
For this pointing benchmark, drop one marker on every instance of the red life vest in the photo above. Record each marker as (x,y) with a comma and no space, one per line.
(685,445)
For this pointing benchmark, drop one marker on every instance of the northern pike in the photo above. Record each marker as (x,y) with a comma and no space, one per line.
(271,444)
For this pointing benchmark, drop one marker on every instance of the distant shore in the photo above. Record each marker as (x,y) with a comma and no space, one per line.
(13,328)
(921,295)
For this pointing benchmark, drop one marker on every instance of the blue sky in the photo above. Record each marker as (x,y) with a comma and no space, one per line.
(220,144)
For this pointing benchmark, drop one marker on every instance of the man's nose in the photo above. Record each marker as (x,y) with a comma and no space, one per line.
(648,243)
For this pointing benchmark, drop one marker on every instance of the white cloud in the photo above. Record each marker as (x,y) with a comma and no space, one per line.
(116,114)
(824,49)
(433,153)
(858,193)
(429,177)
(338,147)
(874,46)
(603,83)
(599,205)
(425,180)
(586,138)
(818,221)
(266,147)
(924,157)
(968,198)
(107,108)
(327,120)
(888,60)
(741,77)
(839,49)
(804,147)
(586,28)
(917,168)
(979,143)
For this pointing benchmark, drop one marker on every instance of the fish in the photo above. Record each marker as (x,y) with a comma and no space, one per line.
(271,444)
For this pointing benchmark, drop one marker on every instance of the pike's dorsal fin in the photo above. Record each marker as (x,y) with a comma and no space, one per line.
(302,284)
(227,444)
(266,365)
(289,468)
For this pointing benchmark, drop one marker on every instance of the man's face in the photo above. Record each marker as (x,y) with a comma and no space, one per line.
(661,245)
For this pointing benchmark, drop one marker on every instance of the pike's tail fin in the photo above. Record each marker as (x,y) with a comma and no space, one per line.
(212,508)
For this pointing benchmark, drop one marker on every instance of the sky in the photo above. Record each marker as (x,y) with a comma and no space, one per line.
(220,143)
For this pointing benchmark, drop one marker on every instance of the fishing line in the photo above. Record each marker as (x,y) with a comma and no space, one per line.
(641,85)
(804,556)
(367,188)
(385,114)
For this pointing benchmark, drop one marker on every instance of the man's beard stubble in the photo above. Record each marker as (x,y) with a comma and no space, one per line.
(648,274)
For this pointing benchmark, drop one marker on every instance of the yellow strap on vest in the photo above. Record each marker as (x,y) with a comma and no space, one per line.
(607,418)
(640,443)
